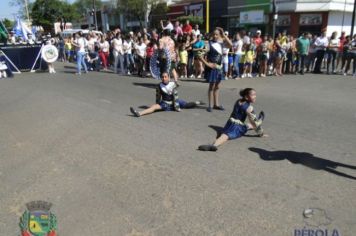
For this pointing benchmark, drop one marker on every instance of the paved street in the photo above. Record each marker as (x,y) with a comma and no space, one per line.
(72,141)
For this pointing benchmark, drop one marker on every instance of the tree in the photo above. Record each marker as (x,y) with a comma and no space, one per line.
(47,12)
(22,7)
(84,6)
(137,9)
(8,23)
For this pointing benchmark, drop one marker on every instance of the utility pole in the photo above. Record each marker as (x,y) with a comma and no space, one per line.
(275,17)
(27,13)
(353,20)
(95,20)
(208,16)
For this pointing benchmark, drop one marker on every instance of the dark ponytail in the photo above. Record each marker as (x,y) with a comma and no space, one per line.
(245,92)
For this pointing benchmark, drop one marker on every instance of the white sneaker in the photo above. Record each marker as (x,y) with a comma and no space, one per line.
(192,76)
(4,74)
(199,77)
(345,74)
(249,75)
(181,77)
(128,73)
(243,76)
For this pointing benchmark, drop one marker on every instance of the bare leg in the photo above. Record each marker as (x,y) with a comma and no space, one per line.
(175,75)
(150,110)
(210,93)
(216,94)
(221,140)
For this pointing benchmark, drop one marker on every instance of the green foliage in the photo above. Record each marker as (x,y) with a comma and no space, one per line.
(8,23)
(82,7)
(20,4)
(194,20)
(46,12)
(136,9)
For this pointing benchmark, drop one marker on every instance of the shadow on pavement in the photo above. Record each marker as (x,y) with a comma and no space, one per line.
(194,80)
(219,129)
(304,158)
(146,85)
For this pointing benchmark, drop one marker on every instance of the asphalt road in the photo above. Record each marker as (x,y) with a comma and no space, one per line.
(72,141)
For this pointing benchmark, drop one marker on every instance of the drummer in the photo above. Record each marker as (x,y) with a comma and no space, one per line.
(50,41)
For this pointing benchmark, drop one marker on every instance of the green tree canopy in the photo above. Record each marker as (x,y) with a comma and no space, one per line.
(8,23)
(137,9)
(47,12)
(84,6)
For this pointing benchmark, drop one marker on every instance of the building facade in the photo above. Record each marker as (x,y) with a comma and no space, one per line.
(294,16)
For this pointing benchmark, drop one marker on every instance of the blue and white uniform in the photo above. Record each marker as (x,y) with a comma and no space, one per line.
(214,55)
(167,97)
(235,127)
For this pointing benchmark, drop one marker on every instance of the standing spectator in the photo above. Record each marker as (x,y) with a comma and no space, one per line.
(183,61)
(198,48)
(141,54)
(81,43)
(167,42)
(258,39)
(118,53)
(68,49)
(312,52)
(189,41)
(302,52)
(104,51)
(196,30)
(342,40)
(345,51)
(263,53)
(169,26)
(155,36)
(237,45)
(187,28)
(321,43)
(351,57)
(333,47)
(61,52)
(245,38)
(178,29)
(249,59)
(225,58)
(150,49)
(279,55)
(129,60)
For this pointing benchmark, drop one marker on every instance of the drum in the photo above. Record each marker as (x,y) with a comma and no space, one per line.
(49,53)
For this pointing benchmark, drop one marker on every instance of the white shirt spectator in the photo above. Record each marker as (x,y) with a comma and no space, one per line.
(334,43)
(169,27)
(196,32)
(321,43)
(128,47)
(141,49)
(225,57)
(82,43)
(105,47)
(237,46)
(246,40)
(117,45)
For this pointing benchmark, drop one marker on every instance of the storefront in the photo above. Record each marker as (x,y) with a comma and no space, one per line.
(297,23)
(251,15)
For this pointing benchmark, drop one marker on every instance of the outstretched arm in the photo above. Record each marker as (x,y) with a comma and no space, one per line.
(254,121)
(209,64)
